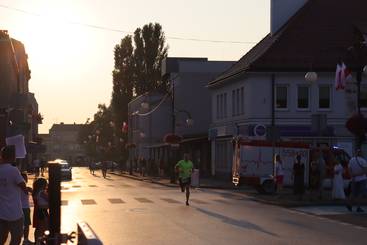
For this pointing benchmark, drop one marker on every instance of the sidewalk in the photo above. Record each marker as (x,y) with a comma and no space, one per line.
(285,199)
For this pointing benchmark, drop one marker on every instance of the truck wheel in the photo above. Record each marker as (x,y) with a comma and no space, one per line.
(268,187)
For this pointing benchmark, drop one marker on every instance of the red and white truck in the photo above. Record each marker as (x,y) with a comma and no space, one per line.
(253,162)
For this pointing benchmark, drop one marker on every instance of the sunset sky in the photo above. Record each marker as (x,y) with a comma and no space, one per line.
(71,62)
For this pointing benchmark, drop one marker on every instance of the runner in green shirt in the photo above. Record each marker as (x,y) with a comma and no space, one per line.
(184,168)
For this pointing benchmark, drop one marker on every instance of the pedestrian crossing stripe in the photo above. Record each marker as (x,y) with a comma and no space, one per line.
(140,200)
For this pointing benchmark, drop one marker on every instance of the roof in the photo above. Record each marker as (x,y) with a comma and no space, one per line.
(317,37)
(66,127)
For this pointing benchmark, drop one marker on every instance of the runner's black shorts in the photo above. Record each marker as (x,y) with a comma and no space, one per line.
(184,182)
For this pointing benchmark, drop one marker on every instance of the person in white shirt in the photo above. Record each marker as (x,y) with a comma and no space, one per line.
(26,211)
(357,168)
(11,185)
(279,173)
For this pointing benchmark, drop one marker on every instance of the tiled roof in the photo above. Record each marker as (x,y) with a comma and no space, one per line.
(316,37)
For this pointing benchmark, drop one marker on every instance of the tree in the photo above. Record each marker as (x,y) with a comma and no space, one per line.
(137,69)
(149,52)
(123,80)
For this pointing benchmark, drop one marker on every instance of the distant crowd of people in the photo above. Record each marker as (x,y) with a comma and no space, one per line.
(356,171)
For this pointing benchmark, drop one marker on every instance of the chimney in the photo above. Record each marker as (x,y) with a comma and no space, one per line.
(281,11)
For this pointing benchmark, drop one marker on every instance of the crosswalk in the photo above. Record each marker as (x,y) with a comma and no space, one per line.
(137,200)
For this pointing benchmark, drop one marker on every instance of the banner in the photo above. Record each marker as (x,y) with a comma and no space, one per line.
(18,142)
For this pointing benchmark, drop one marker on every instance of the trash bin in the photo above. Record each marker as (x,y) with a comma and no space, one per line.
(195,178)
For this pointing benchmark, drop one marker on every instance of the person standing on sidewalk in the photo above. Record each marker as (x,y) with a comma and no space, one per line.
(11,186)
(338,181)
(299,177)
(279,173)
(26,211)
(184,168)
(357,168)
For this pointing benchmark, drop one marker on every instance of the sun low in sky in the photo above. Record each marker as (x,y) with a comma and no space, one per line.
(70,42)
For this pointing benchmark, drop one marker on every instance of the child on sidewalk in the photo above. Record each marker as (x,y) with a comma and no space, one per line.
(40,214)
(26,211)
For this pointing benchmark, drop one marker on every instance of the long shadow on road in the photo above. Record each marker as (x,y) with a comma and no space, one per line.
(235,222)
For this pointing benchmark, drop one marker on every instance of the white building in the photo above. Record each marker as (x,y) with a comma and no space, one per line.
(266,89)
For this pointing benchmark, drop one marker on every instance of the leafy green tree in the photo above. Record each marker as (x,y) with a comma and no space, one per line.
(123,77)
(137,70)
(150,50)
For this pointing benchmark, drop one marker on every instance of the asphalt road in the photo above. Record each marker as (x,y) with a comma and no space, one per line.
(125,211)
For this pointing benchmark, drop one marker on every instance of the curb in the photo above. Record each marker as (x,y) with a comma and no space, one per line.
(295,205)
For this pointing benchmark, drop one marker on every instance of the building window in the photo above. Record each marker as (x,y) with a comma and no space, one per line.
(221,106)
(363,96)
(303,97)
(218,106)
(238,101)
(281,97)
(233,103)
(324,97)
(225,105)
(242,101)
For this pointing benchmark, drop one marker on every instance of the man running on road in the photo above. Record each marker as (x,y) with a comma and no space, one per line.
(184,169)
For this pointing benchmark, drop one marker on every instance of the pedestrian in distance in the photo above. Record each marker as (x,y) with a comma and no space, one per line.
(11,186)
(36,166)
(26,211)
(315,175)
(143,166)
(43,166)
(299,176)
(161,167)
(338,181)
(322,170)
(358,170)
(40,212)
(279,173)
(91,168)
(104,169)
(184,169)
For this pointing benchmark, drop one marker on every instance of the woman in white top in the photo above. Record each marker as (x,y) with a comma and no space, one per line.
(279,173)
(338,182)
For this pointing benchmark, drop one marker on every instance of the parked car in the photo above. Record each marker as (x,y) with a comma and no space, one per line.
(66,170)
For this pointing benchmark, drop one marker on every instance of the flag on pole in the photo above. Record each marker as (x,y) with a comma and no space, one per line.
(342,75)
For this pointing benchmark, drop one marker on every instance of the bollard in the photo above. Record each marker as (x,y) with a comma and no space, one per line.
(86,235)
(54,200)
